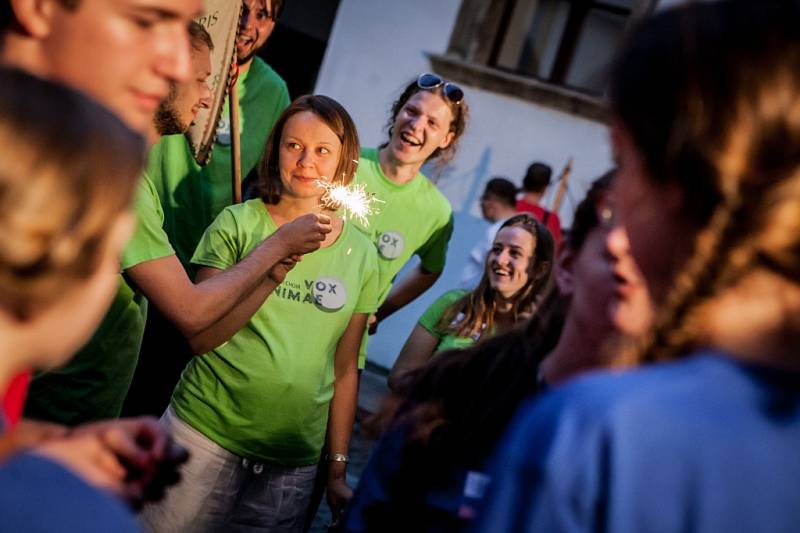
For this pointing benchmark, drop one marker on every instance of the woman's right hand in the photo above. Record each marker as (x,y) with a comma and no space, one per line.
(304,234)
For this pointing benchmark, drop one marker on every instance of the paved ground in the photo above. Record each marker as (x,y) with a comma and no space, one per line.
(370,397)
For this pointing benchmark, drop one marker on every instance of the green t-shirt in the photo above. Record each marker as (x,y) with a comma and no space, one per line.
(431,317)
(415,219)
(264,394)
(193,196)
(93,385)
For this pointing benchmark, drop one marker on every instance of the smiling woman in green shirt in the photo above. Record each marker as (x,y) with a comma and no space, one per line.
(277,376)
(516,271)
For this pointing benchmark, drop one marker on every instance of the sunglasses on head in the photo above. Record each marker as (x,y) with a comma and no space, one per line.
(451,91)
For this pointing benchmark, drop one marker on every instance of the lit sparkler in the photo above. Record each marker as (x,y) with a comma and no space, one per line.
(353,200)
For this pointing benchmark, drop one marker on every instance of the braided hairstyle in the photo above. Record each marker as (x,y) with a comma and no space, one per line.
(68,167)
(710,94)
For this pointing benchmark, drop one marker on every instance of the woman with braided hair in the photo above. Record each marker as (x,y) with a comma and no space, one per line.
(705,103)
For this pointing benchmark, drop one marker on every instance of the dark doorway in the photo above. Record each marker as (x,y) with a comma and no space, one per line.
(297,45)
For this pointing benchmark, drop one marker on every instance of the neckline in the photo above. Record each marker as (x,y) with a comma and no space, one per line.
(263,208)
(376,162)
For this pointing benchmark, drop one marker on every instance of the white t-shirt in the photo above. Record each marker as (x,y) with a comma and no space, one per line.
(477,257)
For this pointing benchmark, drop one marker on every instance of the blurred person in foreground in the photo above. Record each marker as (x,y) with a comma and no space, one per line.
(125,54)
(65,222)
(704,437)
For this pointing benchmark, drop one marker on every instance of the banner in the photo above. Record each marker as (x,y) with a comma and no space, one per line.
(221,20)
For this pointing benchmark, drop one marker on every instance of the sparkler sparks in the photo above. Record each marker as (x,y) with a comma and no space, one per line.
(353,200)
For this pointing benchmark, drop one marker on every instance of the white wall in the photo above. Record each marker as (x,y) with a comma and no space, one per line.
(376,47)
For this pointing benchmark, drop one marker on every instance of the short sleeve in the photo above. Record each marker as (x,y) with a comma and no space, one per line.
(219,246)
(433,254)
(431,317)
(149,240)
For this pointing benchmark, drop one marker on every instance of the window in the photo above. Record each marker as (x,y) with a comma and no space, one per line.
(556,52)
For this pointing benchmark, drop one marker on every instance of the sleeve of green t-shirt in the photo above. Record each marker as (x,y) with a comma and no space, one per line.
(433,253)
(218,248)
(431,317)
(368,298)
(149,240)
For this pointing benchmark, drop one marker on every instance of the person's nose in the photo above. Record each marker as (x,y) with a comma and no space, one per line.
(503,258)
(617,241)
(306,159)
(416,124)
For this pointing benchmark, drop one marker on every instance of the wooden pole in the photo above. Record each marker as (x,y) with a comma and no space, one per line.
(562,186)
(236,154)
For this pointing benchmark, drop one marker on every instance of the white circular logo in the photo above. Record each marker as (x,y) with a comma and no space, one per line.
(329,293)
(390,244)
(224,131)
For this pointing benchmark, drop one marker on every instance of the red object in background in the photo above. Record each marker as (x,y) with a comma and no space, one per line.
(553,223)
(14,398)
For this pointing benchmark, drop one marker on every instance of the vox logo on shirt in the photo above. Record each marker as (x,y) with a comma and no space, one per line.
(327,293)
(391,244)
(224,131)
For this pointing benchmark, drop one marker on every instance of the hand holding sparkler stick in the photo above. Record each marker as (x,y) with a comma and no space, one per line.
(304,234)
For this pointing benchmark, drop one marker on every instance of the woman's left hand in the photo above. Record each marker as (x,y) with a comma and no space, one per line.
(339,494)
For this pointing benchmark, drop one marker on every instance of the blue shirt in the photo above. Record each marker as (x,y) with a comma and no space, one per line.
(705,444)
(39,496)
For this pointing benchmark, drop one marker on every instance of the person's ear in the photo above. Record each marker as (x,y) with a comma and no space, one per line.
(35,17)
(565,274)
(447,140)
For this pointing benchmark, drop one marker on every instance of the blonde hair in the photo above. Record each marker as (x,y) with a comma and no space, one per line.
(68,168)
(725,127)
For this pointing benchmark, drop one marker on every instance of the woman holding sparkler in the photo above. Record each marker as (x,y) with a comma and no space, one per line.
(516,273)
(254,410)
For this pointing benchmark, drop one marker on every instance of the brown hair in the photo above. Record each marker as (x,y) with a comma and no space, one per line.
(460,113)
(474,313)
(337,119)
(68,167)
(710,93)
(198,36)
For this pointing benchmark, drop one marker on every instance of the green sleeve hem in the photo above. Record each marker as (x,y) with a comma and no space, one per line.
(430,329)
(221,265)
(132,262)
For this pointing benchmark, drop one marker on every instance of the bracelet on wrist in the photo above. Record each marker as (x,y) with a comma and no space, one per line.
(338,458)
